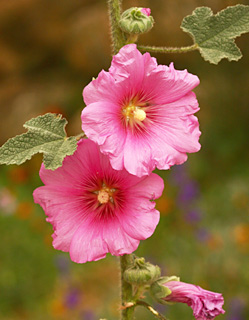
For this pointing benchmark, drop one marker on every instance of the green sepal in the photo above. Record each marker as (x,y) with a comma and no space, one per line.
(215,34)
(159,290)
(142,273)
(46,134)
(133,21)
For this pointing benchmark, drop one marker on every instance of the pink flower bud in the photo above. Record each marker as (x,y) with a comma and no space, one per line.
(146,11)
(206,305)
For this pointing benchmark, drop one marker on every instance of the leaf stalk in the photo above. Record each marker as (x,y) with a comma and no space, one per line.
(168,49)
(157,314)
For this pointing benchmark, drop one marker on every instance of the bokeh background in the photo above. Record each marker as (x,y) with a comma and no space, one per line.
(51,49)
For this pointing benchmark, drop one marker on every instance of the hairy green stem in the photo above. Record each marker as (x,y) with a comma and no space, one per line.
(126,261)
(117,35)
(152,310)
(118,41)
(168,49)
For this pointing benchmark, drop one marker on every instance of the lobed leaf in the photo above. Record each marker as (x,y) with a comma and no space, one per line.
(46,134)
(215,34)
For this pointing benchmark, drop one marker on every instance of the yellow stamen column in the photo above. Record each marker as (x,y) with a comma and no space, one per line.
(103,197)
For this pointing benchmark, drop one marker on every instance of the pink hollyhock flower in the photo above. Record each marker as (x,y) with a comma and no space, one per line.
(146,11)
(95,209)
(206,305)
(141,113)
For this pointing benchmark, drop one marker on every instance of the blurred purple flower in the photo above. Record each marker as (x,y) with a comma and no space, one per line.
(189,191)
(193,216)
(203,235)
(72,298)
(178,174)
(88,315)
(236,309)
(62,263)
(161,308)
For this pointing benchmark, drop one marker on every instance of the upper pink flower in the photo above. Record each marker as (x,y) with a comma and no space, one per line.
(95,209)
(141,113)
(206,305)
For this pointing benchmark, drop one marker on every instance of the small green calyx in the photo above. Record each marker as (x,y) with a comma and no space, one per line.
(159,290)
(142,273)
(136,21)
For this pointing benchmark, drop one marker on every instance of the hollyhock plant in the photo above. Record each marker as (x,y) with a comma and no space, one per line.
(206,305)
(99,192)
(95,209)
(141,113)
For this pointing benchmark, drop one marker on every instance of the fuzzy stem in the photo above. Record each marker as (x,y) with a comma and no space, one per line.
(168,49)
(126,294)
(117,35)
(152,310)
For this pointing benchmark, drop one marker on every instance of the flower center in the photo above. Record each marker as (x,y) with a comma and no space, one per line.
(134,112)
(105,195)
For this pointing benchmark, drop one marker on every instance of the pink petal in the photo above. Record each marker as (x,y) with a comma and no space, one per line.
(182,134)
(94,239)
(142,214)
(123,66)
(104,88)
(165,84)
(87,243)
(64,210)
(185,106)
(150,187)
(100,120)
(166,156)
(137,156)
(101,123)
(117,240)
(140,210)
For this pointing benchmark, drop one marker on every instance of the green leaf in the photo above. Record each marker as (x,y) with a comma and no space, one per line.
(215,34)
(46,134)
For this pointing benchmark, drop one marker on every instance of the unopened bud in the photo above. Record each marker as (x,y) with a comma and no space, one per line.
(142,272)
(205,304)
(136,20)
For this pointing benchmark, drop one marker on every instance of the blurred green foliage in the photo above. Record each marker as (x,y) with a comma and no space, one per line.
(49,50)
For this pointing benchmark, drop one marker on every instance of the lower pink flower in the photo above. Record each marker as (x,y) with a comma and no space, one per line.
(95,209)
(206,305)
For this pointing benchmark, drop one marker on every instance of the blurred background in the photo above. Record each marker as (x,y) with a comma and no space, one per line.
(51,49)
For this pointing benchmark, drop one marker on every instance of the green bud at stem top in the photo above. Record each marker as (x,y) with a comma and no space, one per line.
(136,21)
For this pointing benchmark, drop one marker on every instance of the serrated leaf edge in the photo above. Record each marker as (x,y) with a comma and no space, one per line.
(200,45)
(26,126)
(61,162)
(228,58)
